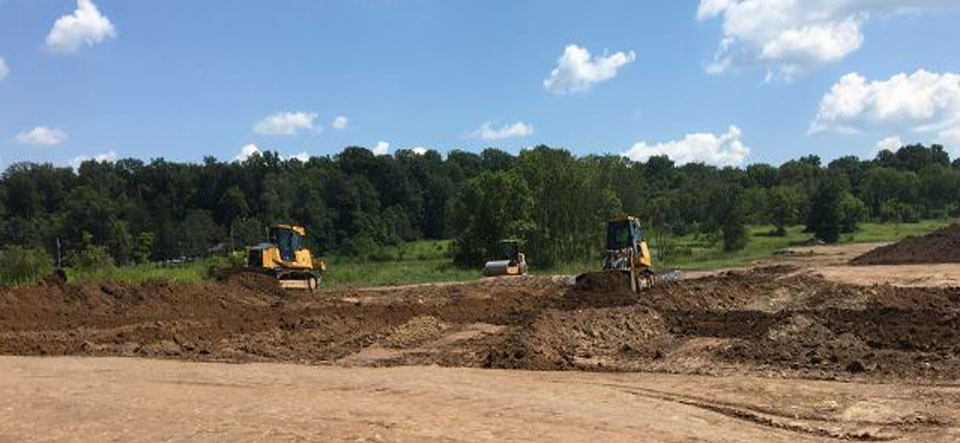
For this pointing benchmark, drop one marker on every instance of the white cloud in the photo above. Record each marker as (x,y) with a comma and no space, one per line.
(246,152)
(789,37)
(419,150)
(302,156)
(922,102)
(382,148)
(516,130)
(713,149)
(577,71)
(85,26)
(4,69)
(340,123)
(286,123)
(108,157)
(891,144)
(42,136)
(951,138)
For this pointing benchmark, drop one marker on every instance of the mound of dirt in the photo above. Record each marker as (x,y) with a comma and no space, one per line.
(250,280)
(942,246)
(597,339)
(609,281)
(415,331)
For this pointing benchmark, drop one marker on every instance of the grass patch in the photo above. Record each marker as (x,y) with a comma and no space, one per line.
(192,272)
(424,261)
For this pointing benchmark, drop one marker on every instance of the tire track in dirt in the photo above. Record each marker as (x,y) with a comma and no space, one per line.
(816,425)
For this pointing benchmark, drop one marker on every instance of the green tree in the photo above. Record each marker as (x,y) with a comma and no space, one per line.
(232,205)
(571,205)
(489,208)
(884,184)
(119,240)
(200,232)
(141,252)
(824,219)
(851,211)
(783,208)
(728,213)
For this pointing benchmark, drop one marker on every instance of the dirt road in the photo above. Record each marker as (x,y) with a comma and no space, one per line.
(99,399)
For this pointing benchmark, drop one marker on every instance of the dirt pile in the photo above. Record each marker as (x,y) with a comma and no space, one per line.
(766,321)
(603,281)
(942,246)
(417,330)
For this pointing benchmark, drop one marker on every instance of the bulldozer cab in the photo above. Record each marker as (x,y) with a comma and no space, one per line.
(509,249)
(289,240)
(622,234)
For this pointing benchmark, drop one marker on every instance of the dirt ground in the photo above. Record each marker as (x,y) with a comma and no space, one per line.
(763,340)
(84,399)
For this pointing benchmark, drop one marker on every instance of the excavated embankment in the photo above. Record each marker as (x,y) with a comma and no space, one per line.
(765,321)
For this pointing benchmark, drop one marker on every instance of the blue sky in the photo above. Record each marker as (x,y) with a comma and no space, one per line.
(727,82)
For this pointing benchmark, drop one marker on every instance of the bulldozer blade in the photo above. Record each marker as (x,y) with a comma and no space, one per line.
(609,280)
(295,284)
(619,280)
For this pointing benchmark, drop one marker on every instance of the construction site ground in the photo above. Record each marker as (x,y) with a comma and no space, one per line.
(800,346)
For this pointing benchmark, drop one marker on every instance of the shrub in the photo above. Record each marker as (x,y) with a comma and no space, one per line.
(896,211)
(23,266)
(91,258)
(852,211)
(735,234)
(237,259)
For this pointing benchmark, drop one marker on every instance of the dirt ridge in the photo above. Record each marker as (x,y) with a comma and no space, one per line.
(766,321)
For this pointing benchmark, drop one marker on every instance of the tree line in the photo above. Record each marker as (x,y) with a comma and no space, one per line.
(354,202)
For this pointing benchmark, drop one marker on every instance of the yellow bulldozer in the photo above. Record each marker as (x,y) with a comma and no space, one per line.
(627,258)
(510,262)
(286,257)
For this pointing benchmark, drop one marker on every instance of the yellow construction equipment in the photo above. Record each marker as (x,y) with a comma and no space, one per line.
(511,260)
(628,256)
(286,257)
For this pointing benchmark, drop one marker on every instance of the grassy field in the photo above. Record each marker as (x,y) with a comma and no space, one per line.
(429,261)
(412,263)
(135,274)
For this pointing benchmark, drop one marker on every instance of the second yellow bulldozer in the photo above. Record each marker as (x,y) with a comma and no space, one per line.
(286,257)
(627,256)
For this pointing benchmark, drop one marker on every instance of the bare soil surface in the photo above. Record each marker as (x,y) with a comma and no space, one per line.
(110,399)
(803,315)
